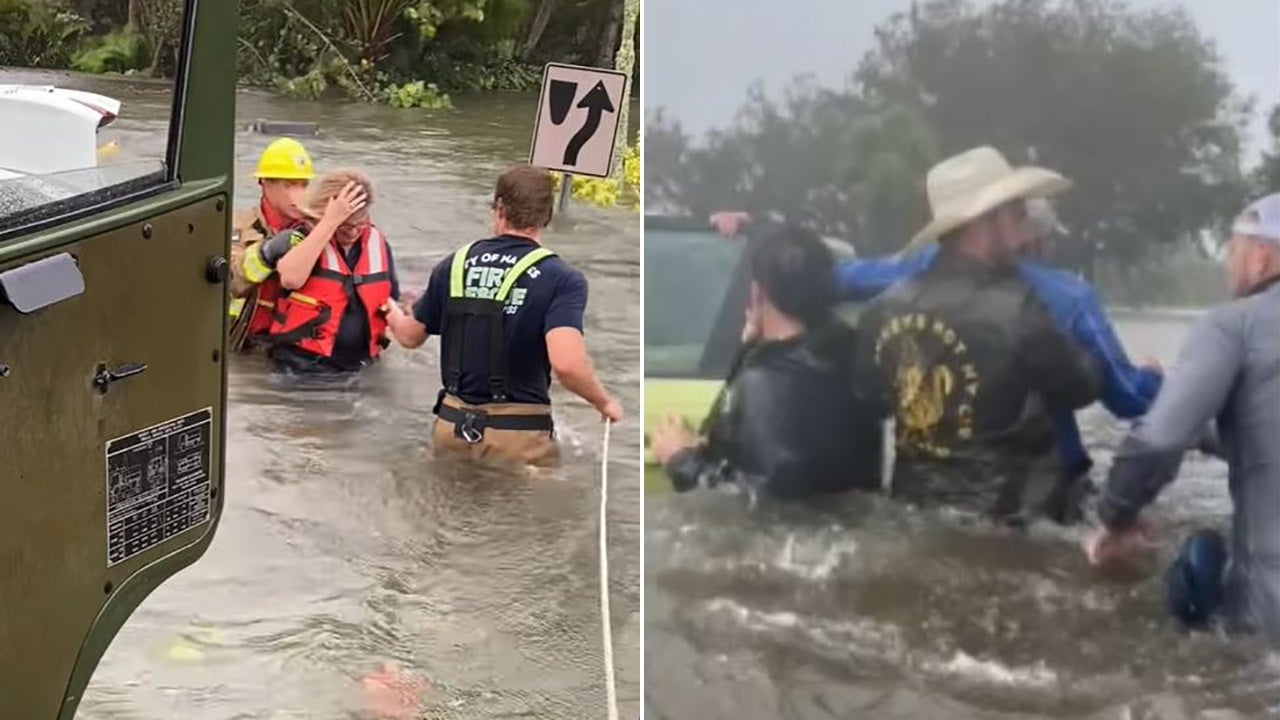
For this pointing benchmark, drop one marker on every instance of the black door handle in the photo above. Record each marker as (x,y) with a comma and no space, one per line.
(217,270)
(103,378)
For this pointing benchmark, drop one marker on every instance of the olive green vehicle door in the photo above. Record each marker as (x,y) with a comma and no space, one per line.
(112,380)
(695,293)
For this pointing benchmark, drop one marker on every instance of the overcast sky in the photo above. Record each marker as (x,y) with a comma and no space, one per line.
(701,55)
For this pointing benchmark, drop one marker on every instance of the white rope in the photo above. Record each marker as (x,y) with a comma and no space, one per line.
(606,626)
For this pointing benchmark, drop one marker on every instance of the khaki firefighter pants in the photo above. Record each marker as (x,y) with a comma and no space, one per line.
(485,438)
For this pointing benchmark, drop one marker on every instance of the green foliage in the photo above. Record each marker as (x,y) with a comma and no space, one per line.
(430,15)
(309,86)
(416,94)
(611,191)
(474,55)
(1133,105)
(160,22)
(1185,279)
(404,52)
(369,26)
(102,15)
(484,77)
(379,50)
(38,33)
(840,164)
(119,52)
(625,62)
(1266,179)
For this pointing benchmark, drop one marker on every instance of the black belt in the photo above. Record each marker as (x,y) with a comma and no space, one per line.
(471,424)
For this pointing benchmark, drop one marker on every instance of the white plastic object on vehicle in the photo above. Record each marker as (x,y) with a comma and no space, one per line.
(46,130)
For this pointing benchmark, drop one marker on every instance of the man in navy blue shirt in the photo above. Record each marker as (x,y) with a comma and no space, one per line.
(1127,391)
(509,314)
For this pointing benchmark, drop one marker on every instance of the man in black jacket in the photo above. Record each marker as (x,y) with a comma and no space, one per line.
(790,419)
(966,358)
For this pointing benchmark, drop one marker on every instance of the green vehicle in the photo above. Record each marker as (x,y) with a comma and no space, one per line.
(696,285)
(112,373)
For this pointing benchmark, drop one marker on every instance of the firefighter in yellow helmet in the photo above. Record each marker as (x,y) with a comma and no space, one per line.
(284,170)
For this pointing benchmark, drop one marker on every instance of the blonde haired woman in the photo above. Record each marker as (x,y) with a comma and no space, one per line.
(336,272)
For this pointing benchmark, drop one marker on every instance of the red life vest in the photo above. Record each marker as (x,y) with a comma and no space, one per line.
(308,317)
(269,290)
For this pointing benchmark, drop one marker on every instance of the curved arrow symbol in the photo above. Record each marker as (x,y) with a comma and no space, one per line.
(597,103)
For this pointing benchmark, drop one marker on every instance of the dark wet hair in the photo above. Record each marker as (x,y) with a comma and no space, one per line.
(795,270)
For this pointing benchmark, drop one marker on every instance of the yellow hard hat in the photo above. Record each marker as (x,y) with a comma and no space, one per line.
(285,159)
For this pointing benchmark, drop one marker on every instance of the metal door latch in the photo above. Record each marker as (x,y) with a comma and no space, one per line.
(217,270)
(104,376)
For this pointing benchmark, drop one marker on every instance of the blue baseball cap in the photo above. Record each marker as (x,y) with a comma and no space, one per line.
(1261,219)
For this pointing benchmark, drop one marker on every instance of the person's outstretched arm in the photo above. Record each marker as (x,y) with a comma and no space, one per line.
(1127,391)
(856,280)
(1148,459)
(864,279)
(411,330)
(405,328)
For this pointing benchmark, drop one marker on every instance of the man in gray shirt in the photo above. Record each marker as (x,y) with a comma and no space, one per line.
(1228,374)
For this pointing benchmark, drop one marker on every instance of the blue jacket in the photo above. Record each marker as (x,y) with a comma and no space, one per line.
(1127,391)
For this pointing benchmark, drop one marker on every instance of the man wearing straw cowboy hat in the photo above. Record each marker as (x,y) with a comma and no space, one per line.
(966,357)
(1127,389)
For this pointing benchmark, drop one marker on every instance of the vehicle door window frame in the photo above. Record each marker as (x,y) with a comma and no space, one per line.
(724,338)
(103,200)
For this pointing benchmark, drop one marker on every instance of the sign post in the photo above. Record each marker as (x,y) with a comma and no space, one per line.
(566,190)
(577,122)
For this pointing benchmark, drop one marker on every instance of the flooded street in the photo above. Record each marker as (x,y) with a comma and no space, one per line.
(861,609)
(344,545)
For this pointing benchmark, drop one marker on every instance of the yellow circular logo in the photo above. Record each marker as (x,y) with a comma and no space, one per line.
(935,380)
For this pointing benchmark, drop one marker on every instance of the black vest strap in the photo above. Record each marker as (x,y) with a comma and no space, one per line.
(464,319)
(465,315)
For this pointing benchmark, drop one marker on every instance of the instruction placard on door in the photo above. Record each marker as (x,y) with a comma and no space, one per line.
(157,484)
(577,119)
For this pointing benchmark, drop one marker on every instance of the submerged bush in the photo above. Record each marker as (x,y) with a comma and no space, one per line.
(608,192)
(120,52)
(39,34)
(416,94)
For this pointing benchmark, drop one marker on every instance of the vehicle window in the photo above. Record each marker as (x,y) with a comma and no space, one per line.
(687,276)
(87,95)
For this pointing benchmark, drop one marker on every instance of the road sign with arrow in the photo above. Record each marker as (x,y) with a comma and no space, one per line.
(577,119)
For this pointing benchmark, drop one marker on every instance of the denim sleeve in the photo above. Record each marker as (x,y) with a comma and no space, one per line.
(865,279)
(1127,391)
(1149,458)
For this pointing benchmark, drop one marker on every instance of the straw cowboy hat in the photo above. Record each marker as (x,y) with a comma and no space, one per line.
(964,187)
